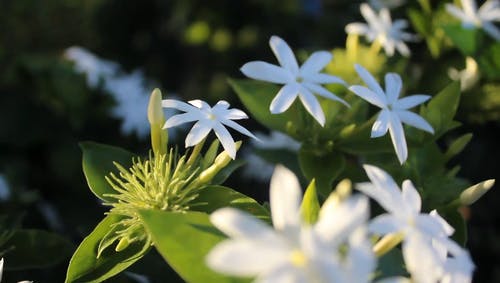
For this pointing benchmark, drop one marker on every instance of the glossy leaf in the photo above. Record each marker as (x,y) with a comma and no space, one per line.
(184,240)
(310,204)
(223,174)
(35,249)
(84,266)
(212,198)
(442,108)
(324,167)
(457,146)
(97,162)
(466,40)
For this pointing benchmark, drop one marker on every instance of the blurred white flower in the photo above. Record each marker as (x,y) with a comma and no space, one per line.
(293,251)
(258,168)
(303,82)
(394,110)
(4,189)
(130,91)
(483,18)
(207,118)
(468,77)
(92,66)
(381,28)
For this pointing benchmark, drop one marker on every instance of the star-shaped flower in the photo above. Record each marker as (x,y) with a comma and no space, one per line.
(208,119)
(303,82)
(381,28)
(483,18)
(293,251)
(394,110)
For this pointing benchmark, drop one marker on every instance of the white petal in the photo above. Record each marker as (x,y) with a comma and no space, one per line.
(172,103)
(284,54)
(285,97)
(429,226)
(337,222)
(469,7)
(370,15)
(238,128)
(492,30)
(357,28)
(312,105)
(199,131)
(371,82)
(316,62)
(181,119)
(368,95)
(325,269)
(403,48)
(264,71)
(200,104)
(389,45)
(245,257)
(235,114)
(225,139)
(385,224)
(414,120)
(398,279)
(238,224)
(411,101)
(385,191)
(398,138)
(455,11)
(393,85)
(321,78)
(286,273)
(221,106)
(285,196)
(415,250)
(447,228)
(411,197)
(319,90)
(381,125)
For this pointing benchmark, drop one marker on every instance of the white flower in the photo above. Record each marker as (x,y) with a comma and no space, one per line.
(301,82)
(394,110)
(293,251)
(381,28)
(425,235)
(208,119)
(483,18)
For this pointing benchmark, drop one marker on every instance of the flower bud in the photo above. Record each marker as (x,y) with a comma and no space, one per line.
(473,193)
(156,119)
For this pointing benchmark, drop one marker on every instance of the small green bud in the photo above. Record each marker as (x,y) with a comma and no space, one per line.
(122,244)
(159,137)
(221,161)
(473,193)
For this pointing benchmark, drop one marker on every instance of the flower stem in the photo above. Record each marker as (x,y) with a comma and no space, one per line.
(387,243)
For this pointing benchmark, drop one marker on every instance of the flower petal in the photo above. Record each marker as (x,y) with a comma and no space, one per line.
(312,105)
(320,78)
(286,273)
(410,101)
(316,62)
(398,138)
(386,224)
(415,249)
(245,257)
(393,85)
(492,30)
(238,128)
(238,224)
(284,54)
(429,226)
(172,103)
(411,197)
(181,119)
(285,97)
(285,196)
(372,83)
(384,190)
(357,28)
(264,71)
(225,139)
(368,95)
(199,131)
(235,114)
(455,11)
(414,120)
(447,228)
(381,125)
(315,88)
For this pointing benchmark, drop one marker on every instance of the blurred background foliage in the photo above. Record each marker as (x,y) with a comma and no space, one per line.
(187,47)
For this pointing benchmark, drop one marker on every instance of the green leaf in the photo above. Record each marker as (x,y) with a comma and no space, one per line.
(35,249)
(457,146)
(356,140)
(97,162)
(212,198)
(324,167)
(442,108)
(223,174)
(257,97)
(184,240)
(455,219)
(391,264)
(309,208)
(466,40)
(84,266)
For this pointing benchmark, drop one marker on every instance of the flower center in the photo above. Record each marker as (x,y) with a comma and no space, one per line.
(212,116)
(299,79)
(298,258)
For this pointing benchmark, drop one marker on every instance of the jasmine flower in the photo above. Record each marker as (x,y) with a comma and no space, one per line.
(483,18)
